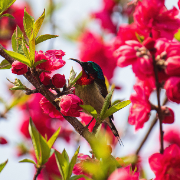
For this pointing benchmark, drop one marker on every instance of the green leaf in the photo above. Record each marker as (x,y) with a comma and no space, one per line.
(90,110)
(45,150)
(177,35)
(5,4)
(32,48)
(140,38)
(38,24)
(106,104)
(78,76)
(18,85)
(53,138)
(19,57)
(28,22)
(77,177)
(18,88)
(63,165)
(64,153)
(5,64)
(73,162)
(39,62)
(116,108)
(35,137)
(28,161)
(72,76)
(2,165)
(115,102)
(44,37)
(7,15)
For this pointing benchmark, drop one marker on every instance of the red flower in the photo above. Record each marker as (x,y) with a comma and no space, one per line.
(50,170)
(166,166)
(45,78)
(172,136)
(3,140)
(124,174)
(18,68)
(69,105)
(53,59)
(49,109)
(92,48)
(168,115)
(140,109)
(85,119)
(58,80)
(152,16)
(172,87)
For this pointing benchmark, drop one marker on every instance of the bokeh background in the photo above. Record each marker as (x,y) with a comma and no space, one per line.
(67,17)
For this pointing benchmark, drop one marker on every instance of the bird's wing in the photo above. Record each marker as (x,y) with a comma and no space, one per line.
(103,90)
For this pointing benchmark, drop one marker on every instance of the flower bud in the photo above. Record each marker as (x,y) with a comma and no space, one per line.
(3,141)
(45,78)
(58,80)
(18,68)
(69,105)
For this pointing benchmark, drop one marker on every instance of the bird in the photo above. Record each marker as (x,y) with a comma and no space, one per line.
(91,88)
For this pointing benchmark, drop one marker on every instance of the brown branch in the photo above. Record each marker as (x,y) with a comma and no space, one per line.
(78,126)
(149,130)
(158,88)
(38,171)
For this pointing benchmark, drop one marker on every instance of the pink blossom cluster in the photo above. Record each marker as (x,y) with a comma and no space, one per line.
(160,24)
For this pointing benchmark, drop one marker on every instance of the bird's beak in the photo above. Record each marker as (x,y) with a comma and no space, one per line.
(80,62)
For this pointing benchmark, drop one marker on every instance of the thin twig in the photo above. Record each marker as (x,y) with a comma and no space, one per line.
(38,171)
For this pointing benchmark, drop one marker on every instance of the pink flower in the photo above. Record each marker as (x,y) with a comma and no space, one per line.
(49,109)
(126,32)
(3,141)
(45,78)
(79,168)
(168,115)
(127,54)
(152,16)
(19,68)
(172,87)
(172,136)
(69,105)
(53,59)
(58,80)
(166,166)
(92,48)
(124,174)
(85,119)
(140,109)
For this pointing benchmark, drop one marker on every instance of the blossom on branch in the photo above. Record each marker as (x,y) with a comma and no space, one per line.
(19,68)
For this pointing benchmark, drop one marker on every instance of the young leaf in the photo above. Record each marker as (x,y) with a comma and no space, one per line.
(78,76)
(38,24)
(53,138)
(177,35)
(72,76)
(116,108)
(7,15)
(39,62)
(32,48)
(2,165)
(63,165)
(35,136)
(28,22)
(45,150)
(28,161)
(76,177)
(90,110)
(64,153)
(5,4)
(73,162)
(106,104)
(18,85)
(19,57)
(44,37)
(5,64)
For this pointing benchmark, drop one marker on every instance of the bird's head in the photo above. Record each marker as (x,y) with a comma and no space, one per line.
(91,68)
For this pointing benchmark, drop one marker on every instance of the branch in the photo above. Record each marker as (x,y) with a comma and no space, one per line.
(149,131)
(78,126)
(38,171)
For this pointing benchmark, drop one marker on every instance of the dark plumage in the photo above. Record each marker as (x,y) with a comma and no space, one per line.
(91,88)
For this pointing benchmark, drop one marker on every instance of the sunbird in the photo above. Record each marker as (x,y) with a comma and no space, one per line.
(91,88)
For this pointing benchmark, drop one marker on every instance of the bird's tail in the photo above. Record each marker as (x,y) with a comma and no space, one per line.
(114,130)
